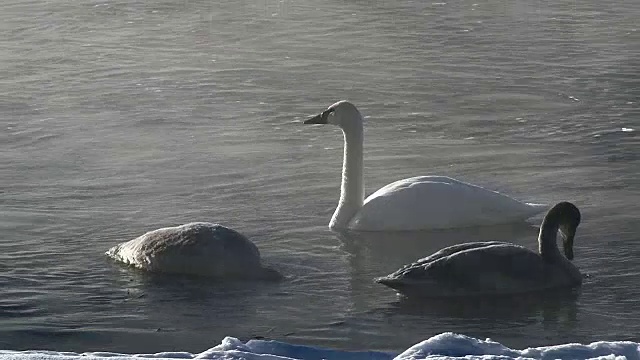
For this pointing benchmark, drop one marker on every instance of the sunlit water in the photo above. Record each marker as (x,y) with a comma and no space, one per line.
(121,117)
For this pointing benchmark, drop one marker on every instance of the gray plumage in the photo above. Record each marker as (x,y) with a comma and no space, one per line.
(492,267)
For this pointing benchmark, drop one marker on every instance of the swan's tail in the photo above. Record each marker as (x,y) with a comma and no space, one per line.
(389,281)
(413,289)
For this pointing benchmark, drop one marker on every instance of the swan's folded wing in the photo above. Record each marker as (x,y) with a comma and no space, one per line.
(437,202)
(451,250)
(495,268)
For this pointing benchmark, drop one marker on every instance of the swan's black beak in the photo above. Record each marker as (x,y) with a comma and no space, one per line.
(568,233)
(319,119)
(568,251)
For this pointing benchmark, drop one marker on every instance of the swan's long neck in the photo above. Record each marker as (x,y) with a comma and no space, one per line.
(352,188)
(547,243)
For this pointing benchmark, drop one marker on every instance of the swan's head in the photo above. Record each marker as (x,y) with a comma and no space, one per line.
(343,114)
(567,217)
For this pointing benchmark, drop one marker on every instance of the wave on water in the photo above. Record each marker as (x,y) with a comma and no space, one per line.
(443,346)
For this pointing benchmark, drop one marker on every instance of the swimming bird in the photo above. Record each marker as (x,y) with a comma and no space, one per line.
(416,203)
(197,248)
(496,268)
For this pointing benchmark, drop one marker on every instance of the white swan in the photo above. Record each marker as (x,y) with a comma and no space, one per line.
(417,203)
(496,268)
(197,248)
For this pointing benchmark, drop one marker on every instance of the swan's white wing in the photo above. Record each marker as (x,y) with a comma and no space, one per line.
(438,202)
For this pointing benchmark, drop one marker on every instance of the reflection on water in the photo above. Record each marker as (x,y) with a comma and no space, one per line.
(548,306)
(508,317)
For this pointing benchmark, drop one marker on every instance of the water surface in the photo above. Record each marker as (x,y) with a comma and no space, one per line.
(121,117)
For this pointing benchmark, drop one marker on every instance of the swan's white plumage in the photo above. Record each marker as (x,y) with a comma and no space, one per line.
(417,203)
(197,248)
(437,202)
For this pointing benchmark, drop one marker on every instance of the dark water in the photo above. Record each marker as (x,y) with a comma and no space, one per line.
(121,117)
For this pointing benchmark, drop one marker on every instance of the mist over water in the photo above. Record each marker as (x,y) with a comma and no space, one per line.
(122,117)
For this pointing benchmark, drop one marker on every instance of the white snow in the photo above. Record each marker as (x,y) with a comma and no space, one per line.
(443,346)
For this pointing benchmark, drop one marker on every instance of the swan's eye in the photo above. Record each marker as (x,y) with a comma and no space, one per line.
(325,114)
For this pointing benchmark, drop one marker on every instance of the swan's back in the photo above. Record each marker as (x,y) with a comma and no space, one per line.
(481,268)
(194,248)
(438,202)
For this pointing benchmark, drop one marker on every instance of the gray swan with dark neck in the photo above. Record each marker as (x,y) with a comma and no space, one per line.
(496,268)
